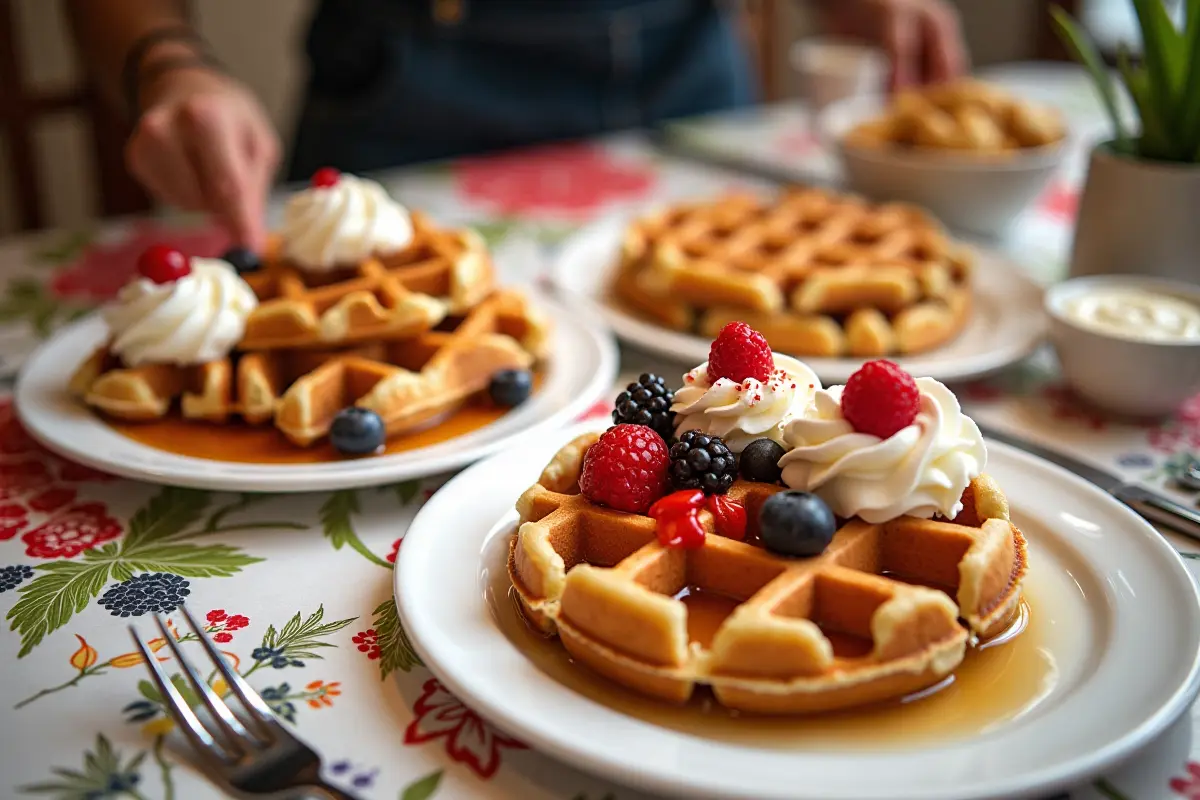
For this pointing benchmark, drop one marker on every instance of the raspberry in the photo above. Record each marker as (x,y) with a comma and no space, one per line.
(880,399)
(626,469)
(740,352)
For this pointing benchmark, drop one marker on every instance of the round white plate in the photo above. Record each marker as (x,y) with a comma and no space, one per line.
(1122,634)
(582,369)
(1006,324)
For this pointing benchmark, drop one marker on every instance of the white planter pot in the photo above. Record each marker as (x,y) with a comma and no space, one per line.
(1138,218)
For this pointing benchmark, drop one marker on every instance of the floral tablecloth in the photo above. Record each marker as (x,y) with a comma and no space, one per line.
(296,590)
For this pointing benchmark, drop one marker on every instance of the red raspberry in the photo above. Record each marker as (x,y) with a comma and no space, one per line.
(740,352)
(880,399)
(626,468)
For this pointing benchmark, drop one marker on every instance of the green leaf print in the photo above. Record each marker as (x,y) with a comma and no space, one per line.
(395,650)
(65,249)
(337,523)
(63,589)
(27,299)
(300,638)
(104,774)
(190,560)
(422,788)
(168,514)
(405,492)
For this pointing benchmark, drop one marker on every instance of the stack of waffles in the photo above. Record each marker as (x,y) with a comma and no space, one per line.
(410,335)
(818,273)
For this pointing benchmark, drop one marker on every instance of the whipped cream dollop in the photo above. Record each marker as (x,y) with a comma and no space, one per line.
(197,318)
(327,227)
(921,470)
(741,412)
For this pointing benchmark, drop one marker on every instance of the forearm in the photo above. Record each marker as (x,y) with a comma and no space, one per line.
(105,31)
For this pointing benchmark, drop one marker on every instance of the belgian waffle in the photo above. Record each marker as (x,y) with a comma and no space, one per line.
(400,295)
(408,382)
(599,579)
(817,273)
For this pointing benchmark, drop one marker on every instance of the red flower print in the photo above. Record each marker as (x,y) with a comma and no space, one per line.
(14,440)
(71,472)
(1189,786)
(104,267)
(391,557)
(66,535)
(981,391)
(20,478)
(236,622)
(571,178)
(1060,201)
(216,615)
(1190,410)
(367,642)
(14,518)
(599,409)
(469,739)
(52,499)
(222,638)
(1065,406)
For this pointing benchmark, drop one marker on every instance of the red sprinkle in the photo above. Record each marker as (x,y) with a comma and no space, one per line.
(729,516)
(678,518)
(325,177)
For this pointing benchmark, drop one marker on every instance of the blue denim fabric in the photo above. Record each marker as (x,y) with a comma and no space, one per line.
(389,86)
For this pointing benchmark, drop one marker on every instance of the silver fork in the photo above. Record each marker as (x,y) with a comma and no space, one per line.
(251,754)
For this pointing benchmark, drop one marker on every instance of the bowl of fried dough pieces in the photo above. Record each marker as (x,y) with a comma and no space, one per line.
(970,152)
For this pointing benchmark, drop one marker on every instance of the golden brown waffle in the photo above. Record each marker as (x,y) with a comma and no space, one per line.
(965,116)
(408,382)
(442,272)
(858,624)
(817,273)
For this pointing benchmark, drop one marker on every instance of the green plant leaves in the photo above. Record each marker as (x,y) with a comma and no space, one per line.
(299,638)
(337,523)
(63,589)
(102,768)
(395,650)
(422,788)
(190,560)
(1082,49)
(167,514)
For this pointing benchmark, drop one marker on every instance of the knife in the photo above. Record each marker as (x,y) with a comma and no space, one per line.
(1149,505)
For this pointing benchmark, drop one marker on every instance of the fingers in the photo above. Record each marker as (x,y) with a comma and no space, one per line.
(157,158)
(901,42)
(215,142)
(944,54)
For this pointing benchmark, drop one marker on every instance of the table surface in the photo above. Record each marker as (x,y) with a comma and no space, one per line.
(297,589)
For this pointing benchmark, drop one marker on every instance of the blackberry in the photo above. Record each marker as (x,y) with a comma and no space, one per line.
(647,402)
(154,592)
(700,461)
(14,576)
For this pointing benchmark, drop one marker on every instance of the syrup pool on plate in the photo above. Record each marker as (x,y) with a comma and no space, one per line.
(997,684)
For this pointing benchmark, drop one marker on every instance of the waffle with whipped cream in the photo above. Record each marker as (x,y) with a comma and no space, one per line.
(407,382)
(858,624)
(818,273)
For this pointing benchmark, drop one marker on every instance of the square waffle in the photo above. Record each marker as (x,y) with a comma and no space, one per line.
(408,382)
(442,272)
(817,273)
(600,580)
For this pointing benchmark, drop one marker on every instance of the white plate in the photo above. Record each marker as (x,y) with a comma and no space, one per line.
(1005,326)
(582,369)
(1123,635)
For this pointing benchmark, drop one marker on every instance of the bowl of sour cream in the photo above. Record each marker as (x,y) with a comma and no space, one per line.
(1128,344)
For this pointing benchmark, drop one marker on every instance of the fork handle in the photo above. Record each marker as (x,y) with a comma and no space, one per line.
(325,791)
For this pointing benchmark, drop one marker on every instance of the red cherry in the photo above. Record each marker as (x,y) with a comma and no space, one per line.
(678,518)
(163,264)
(325,177)
(729,516)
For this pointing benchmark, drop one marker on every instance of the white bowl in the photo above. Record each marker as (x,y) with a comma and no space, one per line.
(973,193)
(1132,377)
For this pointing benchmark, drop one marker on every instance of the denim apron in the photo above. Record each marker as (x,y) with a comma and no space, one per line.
(399,81)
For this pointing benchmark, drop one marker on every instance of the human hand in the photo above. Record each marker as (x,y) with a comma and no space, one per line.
(922,38)
(204,143)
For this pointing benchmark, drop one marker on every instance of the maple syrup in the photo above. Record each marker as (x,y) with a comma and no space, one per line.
(998,681)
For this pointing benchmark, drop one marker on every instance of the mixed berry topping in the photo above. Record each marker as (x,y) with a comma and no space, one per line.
(880,399)
(729,516)
(701,461)
(242,259)
(626,469)
(324,178)
(357,432)
(647,402)
(162,264)
(678,519)
(510,387)
(796,524)
(740,352)
(760,461)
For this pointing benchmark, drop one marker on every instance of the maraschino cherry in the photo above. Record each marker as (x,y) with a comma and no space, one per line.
(163,264)
(324,178)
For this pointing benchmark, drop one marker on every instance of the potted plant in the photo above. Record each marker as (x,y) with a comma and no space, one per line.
(1140,209)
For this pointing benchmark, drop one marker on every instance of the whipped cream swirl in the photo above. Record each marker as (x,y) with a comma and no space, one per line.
(195,319)
(329,227)
(921,470)
(741,412)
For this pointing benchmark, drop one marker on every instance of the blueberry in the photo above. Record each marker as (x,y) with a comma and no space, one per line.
(511,387)
(760,461)
(796,524)
(243,259)
(357,431)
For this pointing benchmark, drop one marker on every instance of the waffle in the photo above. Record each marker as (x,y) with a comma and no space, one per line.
(400,295)
(965,116)
(599,579)
(818,274)
(409,382)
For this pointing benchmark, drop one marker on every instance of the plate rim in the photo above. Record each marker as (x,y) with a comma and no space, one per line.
(1047,779)
(322,476)
(606,232)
